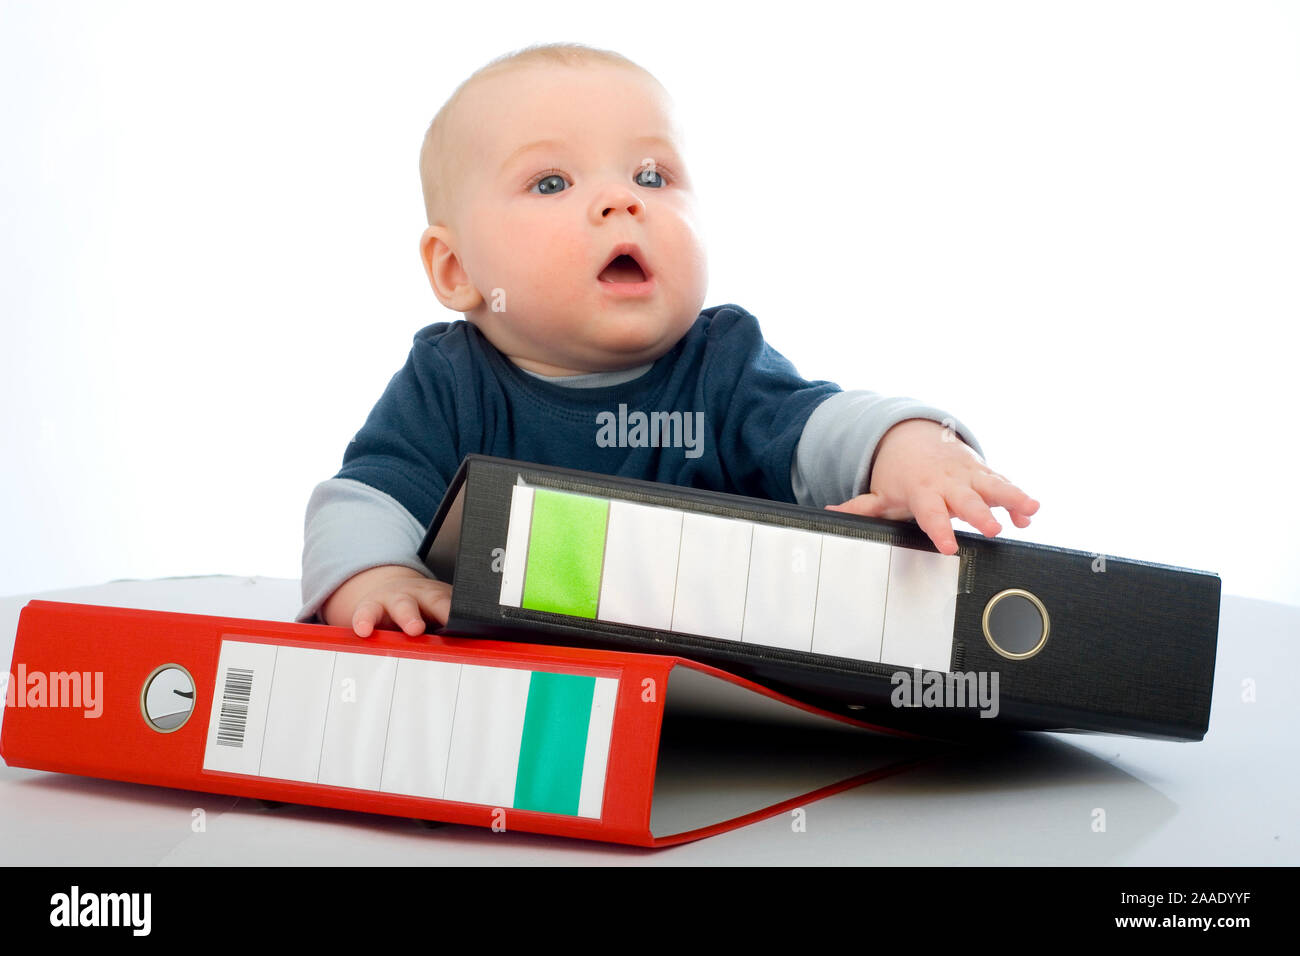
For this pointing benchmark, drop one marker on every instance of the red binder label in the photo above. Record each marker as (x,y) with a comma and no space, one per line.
(496,736)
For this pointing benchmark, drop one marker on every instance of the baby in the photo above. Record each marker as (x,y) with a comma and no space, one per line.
(563,226)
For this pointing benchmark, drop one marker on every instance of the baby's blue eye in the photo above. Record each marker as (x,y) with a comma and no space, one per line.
(656,182)
(553,179)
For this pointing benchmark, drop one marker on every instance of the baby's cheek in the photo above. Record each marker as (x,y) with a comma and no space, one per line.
(565,271)
(688,254)
(569,259)
(530,249)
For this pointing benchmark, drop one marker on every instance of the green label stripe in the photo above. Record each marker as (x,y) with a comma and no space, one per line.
(554,742)
(566,548)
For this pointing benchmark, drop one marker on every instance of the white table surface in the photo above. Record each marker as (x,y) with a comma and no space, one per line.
(1231,799)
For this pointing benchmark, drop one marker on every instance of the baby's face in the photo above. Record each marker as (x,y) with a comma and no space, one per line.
(535,226)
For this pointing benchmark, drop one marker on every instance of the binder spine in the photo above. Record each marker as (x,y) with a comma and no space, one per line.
(1128,648)
(522,757)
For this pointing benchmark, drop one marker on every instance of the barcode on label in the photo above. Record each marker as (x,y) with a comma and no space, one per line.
(234,707)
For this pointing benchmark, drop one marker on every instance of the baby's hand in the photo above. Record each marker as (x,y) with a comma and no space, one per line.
(399,598)
(920,473)
(402,604)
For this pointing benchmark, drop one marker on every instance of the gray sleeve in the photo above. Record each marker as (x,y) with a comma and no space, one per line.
(837,449)
(349,528)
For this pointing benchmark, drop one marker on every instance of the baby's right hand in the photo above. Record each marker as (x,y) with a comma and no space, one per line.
(404,604)
(391,597)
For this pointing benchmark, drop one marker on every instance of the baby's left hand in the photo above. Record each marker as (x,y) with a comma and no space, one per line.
(918,473)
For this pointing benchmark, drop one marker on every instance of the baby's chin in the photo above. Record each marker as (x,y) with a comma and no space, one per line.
(605,343)
(619,348)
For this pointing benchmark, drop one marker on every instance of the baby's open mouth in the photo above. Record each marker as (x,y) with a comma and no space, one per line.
(623,269)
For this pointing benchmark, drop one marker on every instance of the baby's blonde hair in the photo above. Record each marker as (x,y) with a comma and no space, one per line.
(439,172)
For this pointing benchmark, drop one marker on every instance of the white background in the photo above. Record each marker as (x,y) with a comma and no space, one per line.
(1074,225)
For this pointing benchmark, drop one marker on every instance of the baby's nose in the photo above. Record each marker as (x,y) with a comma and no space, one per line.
(632,206)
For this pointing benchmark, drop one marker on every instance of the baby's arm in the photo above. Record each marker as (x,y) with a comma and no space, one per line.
(844,462)
(360,564)
(837,450)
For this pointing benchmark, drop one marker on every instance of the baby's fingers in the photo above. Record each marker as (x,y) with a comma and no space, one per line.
(435,601)
(405,612)
(367,615)
(967,504)
(996,490)
(398,609)
(931,513)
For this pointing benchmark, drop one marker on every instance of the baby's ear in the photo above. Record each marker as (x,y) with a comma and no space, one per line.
(448,278)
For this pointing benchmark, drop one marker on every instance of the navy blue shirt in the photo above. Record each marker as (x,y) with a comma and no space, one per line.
(740,411)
